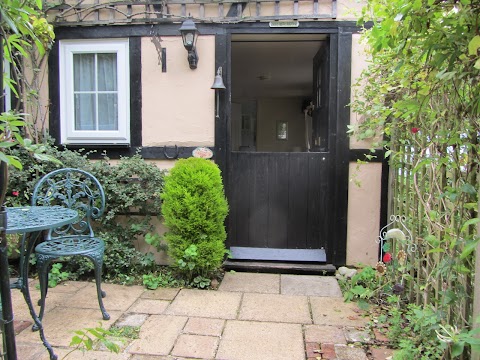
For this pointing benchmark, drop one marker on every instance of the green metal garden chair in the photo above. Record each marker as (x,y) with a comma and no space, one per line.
(79,190)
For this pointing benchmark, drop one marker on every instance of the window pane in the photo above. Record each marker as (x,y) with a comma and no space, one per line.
(85,112)
(107,72)
(107,112)
(84,72)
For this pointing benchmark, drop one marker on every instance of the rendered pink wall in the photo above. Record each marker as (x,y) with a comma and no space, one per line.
(178,105)
(364,192)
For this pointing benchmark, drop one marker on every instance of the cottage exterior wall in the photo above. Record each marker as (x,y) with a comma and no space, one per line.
(178,108)
(178,105)
(365,187)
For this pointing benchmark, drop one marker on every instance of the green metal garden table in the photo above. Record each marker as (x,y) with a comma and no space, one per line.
(31,221)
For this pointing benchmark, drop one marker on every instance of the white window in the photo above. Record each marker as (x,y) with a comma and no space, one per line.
(94,92)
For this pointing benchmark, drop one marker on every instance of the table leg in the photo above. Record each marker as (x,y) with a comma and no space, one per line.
(28,247)
(6,301)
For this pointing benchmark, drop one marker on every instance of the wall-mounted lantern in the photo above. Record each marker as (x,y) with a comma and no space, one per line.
(217,86)
(189,36)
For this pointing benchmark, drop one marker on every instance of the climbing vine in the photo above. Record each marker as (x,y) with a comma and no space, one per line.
(419,99)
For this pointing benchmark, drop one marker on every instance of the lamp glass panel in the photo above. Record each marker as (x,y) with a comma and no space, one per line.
(189,37)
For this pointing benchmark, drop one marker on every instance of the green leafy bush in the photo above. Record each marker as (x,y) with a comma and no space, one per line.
(194,209)
(132,187)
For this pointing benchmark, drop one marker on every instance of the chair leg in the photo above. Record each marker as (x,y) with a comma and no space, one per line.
(43,263)
(97,260)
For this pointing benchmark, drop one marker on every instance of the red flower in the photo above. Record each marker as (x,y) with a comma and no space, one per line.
(15,193)
(387,257)
(414,130)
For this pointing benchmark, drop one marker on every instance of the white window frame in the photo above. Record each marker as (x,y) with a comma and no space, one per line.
(68,134)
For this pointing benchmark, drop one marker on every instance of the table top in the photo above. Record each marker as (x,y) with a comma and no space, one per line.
(38,218)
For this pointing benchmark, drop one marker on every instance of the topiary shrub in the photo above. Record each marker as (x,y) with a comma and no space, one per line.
(194,209)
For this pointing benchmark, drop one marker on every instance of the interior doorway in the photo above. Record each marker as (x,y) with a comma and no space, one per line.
(280,164)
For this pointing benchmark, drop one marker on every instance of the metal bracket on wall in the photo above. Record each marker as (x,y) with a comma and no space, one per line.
(175,156)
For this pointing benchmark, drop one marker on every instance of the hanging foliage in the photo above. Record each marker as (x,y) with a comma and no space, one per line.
(419,99)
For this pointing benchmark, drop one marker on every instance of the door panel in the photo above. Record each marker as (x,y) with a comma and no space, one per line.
(279,200)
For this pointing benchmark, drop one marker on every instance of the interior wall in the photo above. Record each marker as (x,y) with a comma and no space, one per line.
(273,110)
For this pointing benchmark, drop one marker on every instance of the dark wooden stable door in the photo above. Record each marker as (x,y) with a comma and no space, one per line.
(281,203)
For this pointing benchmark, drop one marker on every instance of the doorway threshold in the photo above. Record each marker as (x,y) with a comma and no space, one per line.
(280,267)
(272,254)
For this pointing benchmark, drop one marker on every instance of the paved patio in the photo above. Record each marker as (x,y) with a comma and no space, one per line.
(251,316)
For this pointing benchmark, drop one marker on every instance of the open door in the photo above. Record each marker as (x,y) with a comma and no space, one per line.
(320,120)
(281,189)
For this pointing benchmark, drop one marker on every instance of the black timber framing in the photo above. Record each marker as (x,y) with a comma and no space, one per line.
(135,99)
(340,30)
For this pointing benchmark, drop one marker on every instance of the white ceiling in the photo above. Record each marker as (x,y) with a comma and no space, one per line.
(273,65)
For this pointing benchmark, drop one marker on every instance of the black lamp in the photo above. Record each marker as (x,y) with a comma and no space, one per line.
(189,36)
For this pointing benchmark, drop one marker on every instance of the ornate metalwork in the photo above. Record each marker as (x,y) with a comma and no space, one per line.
(31,221)
(396,229)
(73,189)
(109,12)
(81,192)
(396,244)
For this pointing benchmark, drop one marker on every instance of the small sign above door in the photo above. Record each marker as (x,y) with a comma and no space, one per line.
(284,24)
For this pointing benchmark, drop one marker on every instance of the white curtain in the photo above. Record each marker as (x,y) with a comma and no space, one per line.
(95,91)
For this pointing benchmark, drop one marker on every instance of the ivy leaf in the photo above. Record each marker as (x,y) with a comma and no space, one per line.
(457,349)
(469,248)
(473,45)
(469,189)
(470,222)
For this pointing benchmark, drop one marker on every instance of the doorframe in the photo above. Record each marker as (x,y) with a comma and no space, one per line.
(340,33)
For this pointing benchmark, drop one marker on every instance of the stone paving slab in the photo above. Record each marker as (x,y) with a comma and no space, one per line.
(31,351)
(118,297)
(185,324)
(149,306)
(131,320)
(248,340)
(275,308)
(20,308)
(160,294)
(324,334)
(152,357)
(354,335)
(209,304)
(251,283)
(335,312)
(60,324)
(204,326)
(71,286)
(89,355)
(310,285)
(196,346)
(158,335)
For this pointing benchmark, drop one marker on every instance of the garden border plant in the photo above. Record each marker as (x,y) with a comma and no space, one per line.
(131,185)
(194,210)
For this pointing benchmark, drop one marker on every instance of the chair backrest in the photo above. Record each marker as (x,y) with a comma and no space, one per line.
(74,189)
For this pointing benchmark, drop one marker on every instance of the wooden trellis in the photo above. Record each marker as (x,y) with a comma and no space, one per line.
(97,12)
